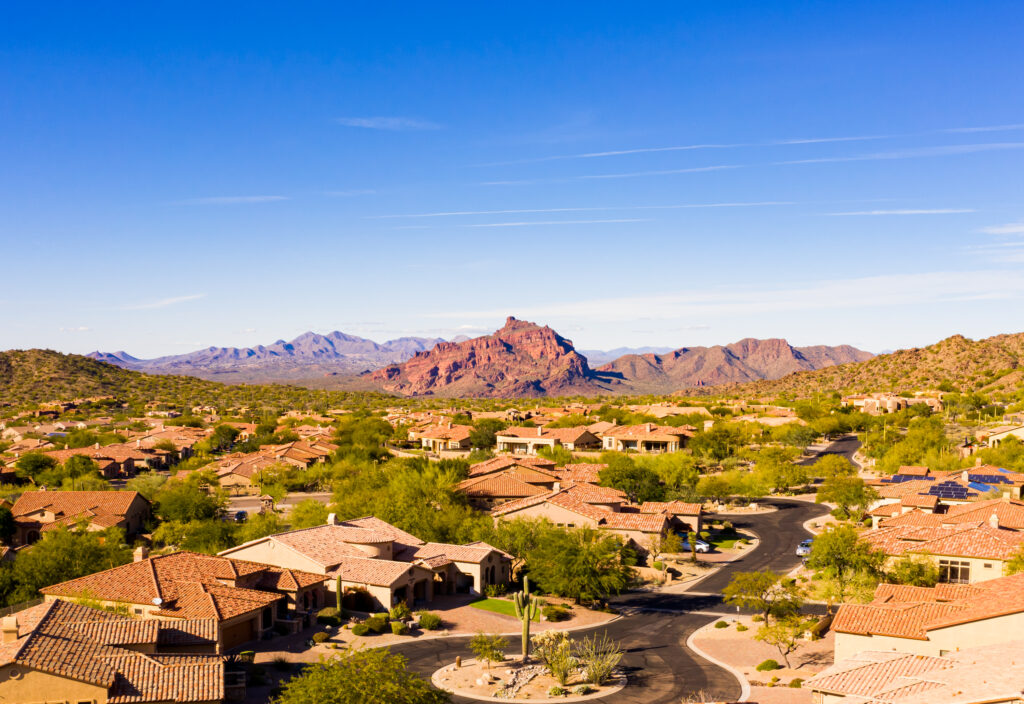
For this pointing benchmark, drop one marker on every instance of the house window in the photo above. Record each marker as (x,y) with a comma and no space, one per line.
(988,565)
(955,571)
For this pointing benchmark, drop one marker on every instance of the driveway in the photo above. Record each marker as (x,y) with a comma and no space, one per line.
(655,625)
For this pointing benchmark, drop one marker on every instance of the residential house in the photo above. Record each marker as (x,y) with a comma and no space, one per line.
(587,505)
(528,440)
(36,512)
(60,651)
(246,599)
(300,453)
(995,436)
(984,675)
(378,565)
(646,438)
(237,472)
(445,436)
(964,552)
(503,462)
(932,621)
(686,516)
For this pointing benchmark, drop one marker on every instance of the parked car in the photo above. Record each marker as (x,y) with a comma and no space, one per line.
(701,546)
(804,548)
(241,516)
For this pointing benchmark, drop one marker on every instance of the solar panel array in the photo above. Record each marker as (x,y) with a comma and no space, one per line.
(949,490)
(990,478)
(900,478)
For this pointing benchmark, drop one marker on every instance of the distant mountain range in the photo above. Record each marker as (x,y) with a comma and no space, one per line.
(525,359)
(520,359)
(308,355)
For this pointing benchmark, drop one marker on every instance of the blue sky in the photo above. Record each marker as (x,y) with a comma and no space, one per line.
(672,174)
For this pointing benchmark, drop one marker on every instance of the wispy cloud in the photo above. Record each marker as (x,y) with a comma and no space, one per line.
(232,200)
(934,211)
(519,211)
(837,294)
(766,143)
(944,150)
(537,223)
(393,124)
(80,328)
(1012,228)
(666,172)
(164,302)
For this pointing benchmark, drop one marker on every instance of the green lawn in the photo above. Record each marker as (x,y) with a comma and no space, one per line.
(498,606)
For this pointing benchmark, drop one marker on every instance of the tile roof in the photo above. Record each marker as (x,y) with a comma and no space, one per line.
(643,522)
(189,585)
(472,552)
(588,473)
(367,570)
(676,508)
(501,485)
(968,676)
(496,464)
(76,503)
(959,540)
(648,431)
(902,613)
(84,644)
(561,435)
(447,432)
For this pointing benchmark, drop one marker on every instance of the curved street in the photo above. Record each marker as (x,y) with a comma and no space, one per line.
(655,625)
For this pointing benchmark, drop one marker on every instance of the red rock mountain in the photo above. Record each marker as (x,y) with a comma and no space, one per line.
(746,360)
(520,359)
(525,359)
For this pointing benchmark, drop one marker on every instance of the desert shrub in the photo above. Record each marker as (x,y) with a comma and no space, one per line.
(561,661)
(495,590)
(360,629)
(796,683)
(740,627)
(757,619)
(599,656)
(377,623)
(399,628)
(582,690)
(658,565)
(727,527)
(545,641)
(281,663)
(400,611)
(555,612)
(321,636)
(557,691)
(488,648)
(773,681)
(429,621)
(329,616)
(768,665)
(721,624)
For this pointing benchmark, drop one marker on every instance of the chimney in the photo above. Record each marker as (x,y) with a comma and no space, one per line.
(977,461)
(1006,497)
(557,486)
(332,519)
(993,521)
(138,443)
(650,427)
(10,629)
(140,554)
(540,431)
(965,475)
(96,446)
(615,421)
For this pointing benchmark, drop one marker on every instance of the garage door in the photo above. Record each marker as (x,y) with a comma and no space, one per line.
(238,633)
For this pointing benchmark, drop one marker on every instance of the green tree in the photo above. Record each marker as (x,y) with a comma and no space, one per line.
(7,527)
(484,432)
(360,677)
(851,496)
(842,557)
(223,437)
(1015,564)
(771,594)
(784,634)
(831,466)
(33,463)
(208,536)
(519,537)
(64,554)
(187,501)
(489,648)
(638,482)
(258,526)
(307,514)
(583,564)
(148,484)
(916,571)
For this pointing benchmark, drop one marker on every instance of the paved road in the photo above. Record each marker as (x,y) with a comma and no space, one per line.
(845,445)
(655,625)
(251,504)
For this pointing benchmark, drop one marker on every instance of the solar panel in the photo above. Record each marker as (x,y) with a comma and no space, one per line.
(989,478)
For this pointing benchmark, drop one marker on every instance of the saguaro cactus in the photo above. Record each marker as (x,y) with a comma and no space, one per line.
(527,608)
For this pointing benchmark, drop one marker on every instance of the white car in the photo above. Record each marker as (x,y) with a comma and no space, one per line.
(701,546)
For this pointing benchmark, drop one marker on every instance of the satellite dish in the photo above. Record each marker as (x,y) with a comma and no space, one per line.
(157,601)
